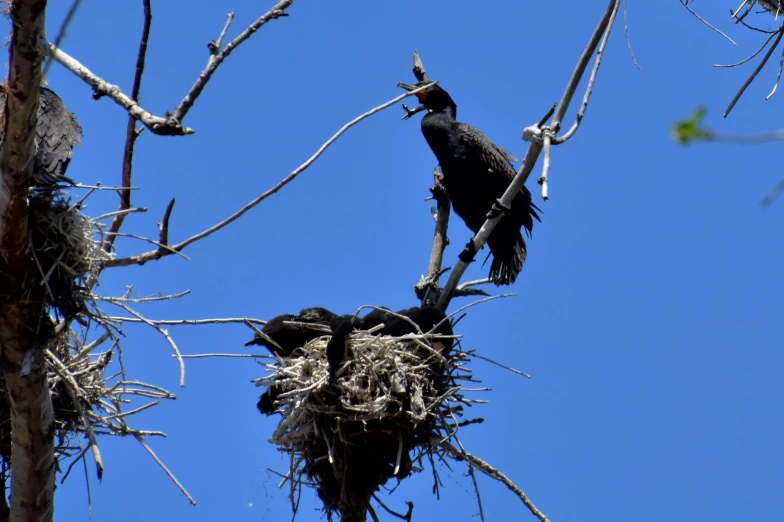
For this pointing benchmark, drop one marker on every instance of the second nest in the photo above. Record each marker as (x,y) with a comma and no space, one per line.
(350,426)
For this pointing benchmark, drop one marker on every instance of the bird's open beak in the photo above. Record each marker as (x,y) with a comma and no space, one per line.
(421,95)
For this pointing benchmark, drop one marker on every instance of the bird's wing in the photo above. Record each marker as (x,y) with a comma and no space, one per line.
(492,155)
(496,158)
(57,133)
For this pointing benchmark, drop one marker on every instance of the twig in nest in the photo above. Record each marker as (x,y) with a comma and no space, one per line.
(505,367)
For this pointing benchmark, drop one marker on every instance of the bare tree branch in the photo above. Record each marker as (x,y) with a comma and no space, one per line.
(217,55)
(427,290)
(756,71)
(177,322)
(61,33)
(496,474)
(168,125)
(131,134)
(143,258)
(685,4)
(164,126)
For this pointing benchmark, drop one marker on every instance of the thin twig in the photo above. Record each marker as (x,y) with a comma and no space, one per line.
(505,367)
(626,30)
(493,473)
(588,91)
(216,59)
(140,259)
(778,78)
(756,71)
(164,333)
(230,355)
(684,4)
(61,33)
(130,132)
(149,299)
(165,469)
(406,517)
(730,65)
(178,322)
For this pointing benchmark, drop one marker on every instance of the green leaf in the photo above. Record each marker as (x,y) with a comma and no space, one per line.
(686,131)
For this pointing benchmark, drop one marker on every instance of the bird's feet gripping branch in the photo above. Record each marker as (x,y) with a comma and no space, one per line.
(499,209)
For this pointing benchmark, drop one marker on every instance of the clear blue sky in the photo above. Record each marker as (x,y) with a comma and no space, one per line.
(648,313)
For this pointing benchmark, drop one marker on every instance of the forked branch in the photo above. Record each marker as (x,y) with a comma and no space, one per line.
(536,147)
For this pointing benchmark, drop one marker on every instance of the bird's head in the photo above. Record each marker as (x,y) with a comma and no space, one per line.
(435,99)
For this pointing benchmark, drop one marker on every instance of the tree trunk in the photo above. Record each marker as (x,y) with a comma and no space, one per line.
(24,323)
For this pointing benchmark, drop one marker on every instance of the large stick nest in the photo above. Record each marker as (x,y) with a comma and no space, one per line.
(395,401)
(66,249)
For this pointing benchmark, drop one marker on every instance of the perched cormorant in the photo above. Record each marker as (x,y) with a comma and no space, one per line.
(56,135)
(476,175)
(292,336)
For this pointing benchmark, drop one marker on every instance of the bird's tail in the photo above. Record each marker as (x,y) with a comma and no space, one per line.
(508,259)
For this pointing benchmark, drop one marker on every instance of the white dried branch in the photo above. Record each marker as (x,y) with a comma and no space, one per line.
(166,470)
(164,333)
(159,125)
(534,151)
(496,474)
(178,322)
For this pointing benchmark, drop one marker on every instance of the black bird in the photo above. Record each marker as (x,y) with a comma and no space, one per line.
(289,337)
(336,347)
(56,135)
(425,318)
(266,404)
(476,174)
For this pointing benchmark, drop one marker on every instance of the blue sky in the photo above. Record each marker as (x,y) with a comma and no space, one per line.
(648,312)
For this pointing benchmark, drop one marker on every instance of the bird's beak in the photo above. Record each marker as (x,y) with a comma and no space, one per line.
(421,95)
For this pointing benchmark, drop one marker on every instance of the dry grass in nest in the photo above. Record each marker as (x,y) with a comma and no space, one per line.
(395,401)
(64,248)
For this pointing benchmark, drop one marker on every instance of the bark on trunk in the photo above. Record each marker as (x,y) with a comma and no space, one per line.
(23,320)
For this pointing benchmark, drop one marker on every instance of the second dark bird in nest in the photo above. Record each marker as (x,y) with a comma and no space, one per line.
(476,174)
(282,339)
(56,135)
